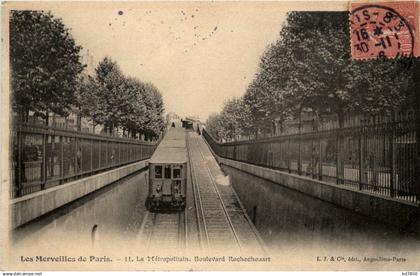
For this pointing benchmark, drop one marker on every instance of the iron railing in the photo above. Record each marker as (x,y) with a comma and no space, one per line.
(44,157)
(377,155)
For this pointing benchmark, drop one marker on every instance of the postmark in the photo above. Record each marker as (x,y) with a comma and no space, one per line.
(384,29)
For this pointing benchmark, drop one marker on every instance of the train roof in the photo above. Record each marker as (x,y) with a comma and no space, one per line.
(172,148)
(174,133)
(172,144)
(169,155)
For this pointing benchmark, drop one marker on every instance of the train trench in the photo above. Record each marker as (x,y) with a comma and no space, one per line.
(115,216)
(102,220)
(214,220)
(227,212)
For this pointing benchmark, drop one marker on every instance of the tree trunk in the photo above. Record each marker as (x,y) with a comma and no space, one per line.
(273,132)
(79,121)
(23,115)
(53,120)
(47,118)
(280,126)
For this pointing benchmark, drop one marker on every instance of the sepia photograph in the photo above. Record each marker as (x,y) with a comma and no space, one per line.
(210,136)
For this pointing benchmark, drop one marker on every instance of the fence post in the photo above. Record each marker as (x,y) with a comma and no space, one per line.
(313,153)
(417,150)
(337,158)
(100,155)
(61,156)
(391,165)
(299,154)
(19,164)
(44,161)
(142,148)
(91,156)
(52,153)
(76,154)
(319,157)
(119,153)
(361,163)
(106,154)
(288,155)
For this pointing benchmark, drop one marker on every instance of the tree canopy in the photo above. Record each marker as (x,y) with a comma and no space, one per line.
(46,76)
(115,100)
(44,61)
(310,67)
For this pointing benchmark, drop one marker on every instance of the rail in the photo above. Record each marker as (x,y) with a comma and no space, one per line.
(378,157)
(217,225)
(235,234)
(167,231)
(43,157)
(197,202)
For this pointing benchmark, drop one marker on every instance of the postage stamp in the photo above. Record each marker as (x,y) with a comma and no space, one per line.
(201,136)
(384,29)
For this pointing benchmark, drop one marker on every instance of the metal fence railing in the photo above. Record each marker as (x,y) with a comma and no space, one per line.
(43,157)
(377,155)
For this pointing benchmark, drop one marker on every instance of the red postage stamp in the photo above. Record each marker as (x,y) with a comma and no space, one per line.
(384,29)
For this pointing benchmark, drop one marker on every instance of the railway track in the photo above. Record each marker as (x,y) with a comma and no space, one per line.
(222,221)
(163,231)
(247,232)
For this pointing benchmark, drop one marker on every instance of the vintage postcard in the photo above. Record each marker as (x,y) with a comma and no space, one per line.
(210,135)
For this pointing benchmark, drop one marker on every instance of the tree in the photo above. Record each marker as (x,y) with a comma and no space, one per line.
(382,87)
(310,68)
(112,99)
(214,126)
(266,94)
(154,122)
(135,110)
(112,86)
(44,60)
(328,79)
(89,100)
(256,100)
(232,123)
(319,53)
(231,118)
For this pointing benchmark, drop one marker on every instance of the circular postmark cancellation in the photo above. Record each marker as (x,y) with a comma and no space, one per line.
(383,30)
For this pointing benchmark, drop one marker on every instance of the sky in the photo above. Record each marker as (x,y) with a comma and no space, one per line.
(198,54)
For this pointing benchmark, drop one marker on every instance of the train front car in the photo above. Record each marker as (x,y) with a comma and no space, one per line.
(168,173)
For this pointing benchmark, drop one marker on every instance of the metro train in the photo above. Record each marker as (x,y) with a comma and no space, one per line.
(168,171)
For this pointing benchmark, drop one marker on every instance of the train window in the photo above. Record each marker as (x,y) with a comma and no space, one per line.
(177,171)
(168,171)
(158,171)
